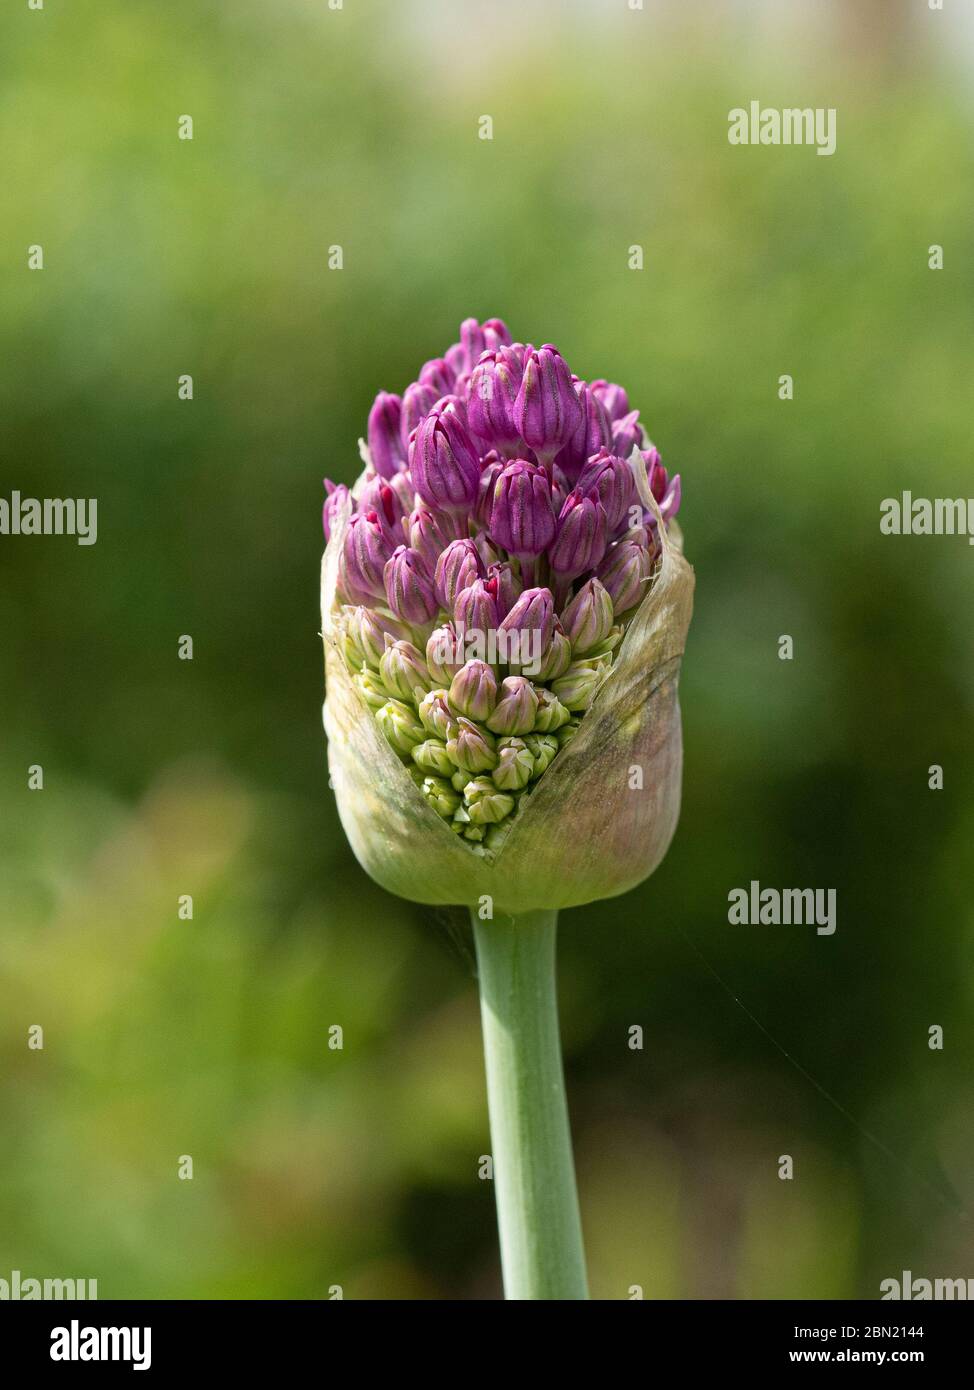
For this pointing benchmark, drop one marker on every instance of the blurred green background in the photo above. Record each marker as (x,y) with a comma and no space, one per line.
(163,1037)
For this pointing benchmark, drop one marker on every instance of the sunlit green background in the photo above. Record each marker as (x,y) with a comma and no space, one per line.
(358,127)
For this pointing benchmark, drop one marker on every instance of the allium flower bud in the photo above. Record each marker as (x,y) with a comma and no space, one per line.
(508,587)
(515,765)
(582,536)
(577,688)
(472,749)
(593,433)
(533,611)
(522,519)
(542,748)
(473,341)
(437,717)
(588,618)
(438,374)
(387,448)
(484,502)
(473,690)
(365,553)
(459,565)
(443,463)
(670,504)
(486,549)
(624,572)
(547,411)
(516,708)
(496,334)
(613,397)
(372,689)
(430,532)
(610,478)
(382,498)
(440,795)
(491,394)
(485,803)
(409,586)
(337,496)
(456,359)
(566,734)
(475,607)
(444,653)
(551,714)
(558,657)
(417,402)
(626,434)
(365,635)
(399,723)
(431,757)
(571,831)
(404,672)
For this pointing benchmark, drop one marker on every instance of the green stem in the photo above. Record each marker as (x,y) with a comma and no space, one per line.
(534,1174)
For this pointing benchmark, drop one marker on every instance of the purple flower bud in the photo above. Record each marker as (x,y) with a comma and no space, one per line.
(453,404)
(431,532)
(473,341)
(456,359)
(624,572)
(473,690)
(475,607)
(534,611)
(522,519)
(382,498)
(496,333)
(404,672)
(417,402)
(402,486)
(487,551)
(588,618)
(656,474)
(459,565)
(626,434)
(610,477)
(439,374)
(582,536)
(484,501)
(667,492)
(516,708)
(508,586)
(334,501)
(444,653)
(547,411)
(409,587)
(364,556)
(592,434)
(613,397)
(444,464)
(491,394)
(387,448)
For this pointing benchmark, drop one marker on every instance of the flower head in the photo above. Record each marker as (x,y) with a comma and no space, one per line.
(502,599)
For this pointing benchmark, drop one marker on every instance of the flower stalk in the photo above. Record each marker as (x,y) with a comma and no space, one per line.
(534,1173)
